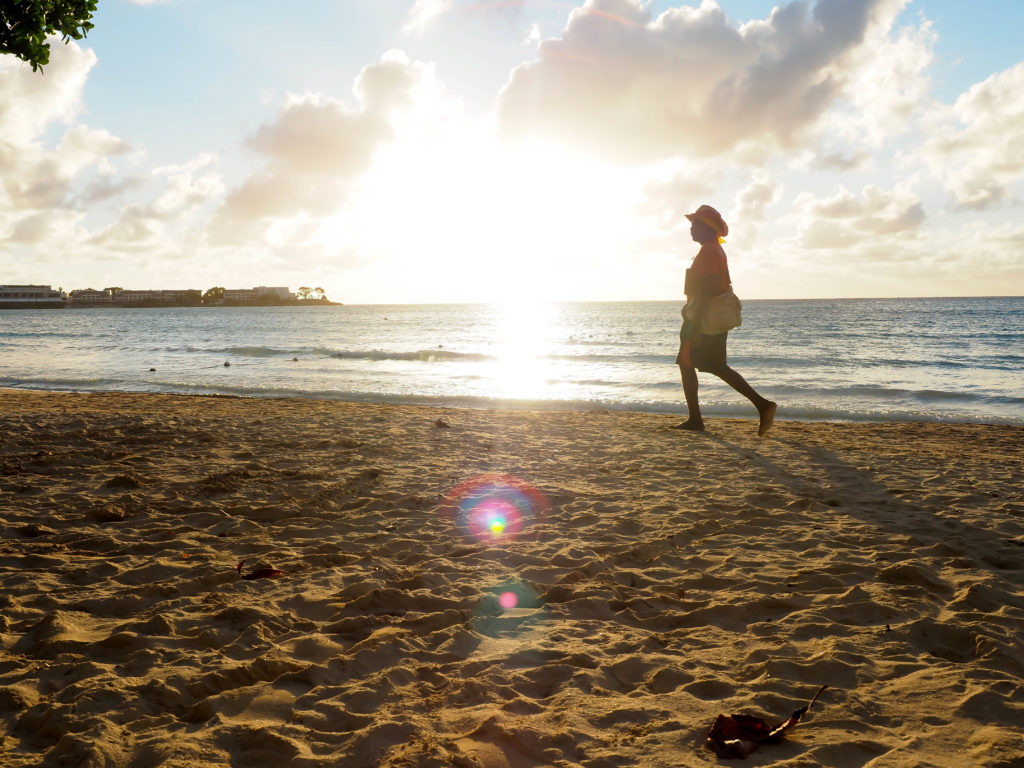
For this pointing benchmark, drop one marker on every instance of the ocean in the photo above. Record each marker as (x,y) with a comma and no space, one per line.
(955,360)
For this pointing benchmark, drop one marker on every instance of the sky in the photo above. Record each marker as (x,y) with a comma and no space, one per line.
(421,151)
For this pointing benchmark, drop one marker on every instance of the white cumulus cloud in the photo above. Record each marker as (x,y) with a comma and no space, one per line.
(846,219)
(637,89)
(753,200)
(424,12)
(40,201)
(979,149)
(314,148)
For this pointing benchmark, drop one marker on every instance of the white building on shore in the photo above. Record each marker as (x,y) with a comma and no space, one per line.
(31,297)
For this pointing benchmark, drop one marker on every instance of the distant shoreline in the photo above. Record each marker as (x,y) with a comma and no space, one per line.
(164,305)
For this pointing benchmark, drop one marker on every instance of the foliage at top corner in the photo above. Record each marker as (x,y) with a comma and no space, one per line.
(26,24)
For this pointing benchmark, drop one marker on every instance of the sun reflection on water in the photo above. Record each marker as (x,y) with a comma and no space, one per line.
(524,338)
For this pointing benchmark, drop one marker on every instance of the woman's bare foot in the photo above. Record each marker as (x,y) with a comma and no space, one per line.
(692,425)
(767,417)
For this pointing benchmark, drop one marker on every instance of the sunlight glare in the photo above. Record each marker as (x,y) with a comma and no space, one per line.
(522,335)
(479,221)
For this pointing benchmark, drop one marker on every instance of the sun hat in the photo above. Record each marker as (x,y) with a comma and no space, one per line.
(708,215)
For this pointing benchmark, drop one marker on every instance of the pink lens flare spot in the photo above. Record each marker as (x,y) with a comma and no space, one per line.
(508,600)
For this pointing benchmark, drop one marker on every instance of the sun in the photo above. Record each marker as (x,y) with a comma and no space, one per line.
(466,218)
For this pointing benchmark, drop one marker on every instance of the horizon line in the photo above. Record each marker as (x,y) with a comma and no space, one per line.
(655,301)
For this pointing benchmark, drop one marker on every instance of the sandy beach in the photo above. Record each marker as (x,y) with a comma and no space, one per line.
(499,588)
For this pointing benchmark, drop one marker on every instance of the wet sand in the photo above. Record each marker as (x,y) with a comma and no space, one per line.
(609,588)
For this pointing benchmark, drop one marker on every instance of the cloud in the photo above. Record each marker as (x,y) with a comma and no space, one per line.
(756,197)
(845,219)
(319,136)
(424,12)
(33,177)
(104,187)
(29,101)
(1007,234)
(532,37)
(32,182)
(60,225)
(667,198)
(45,190)
(315,148)
(137,229)
(82,147)
(188,187)
(979,149)
(887,86)
(635,89)
(839,160)
(185,188)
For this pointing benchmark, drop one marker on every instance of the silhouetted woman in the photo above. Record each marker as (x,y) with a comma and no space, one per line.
(708,276)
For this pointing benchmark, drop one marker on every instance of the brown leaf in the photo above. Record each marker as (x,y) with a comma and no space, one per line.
(258,573)
(739,735)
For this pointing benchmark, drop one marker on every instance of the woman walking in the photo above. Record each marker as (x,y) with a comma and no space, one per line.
(707,277)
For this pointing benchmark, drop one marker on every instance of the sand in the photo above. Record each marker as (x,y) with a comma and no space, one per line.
(641,581)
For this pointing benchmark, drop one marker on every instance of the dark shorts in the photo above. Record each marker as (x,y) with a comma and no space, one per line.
(705,352)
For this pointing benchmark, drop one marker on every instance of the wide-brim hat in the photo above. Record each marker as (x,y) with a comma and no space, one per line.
(708,215)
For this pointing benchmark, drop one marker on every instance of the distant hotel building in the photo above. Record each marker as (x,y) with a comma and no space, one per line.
(31,297)
(90,296)
(43,296)
(253,295)
(154,297)
(121,297)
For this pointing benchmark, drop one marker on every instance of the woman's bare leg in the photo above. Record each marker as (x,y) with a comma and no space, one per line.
(737,382)
(765,407)
(694,421)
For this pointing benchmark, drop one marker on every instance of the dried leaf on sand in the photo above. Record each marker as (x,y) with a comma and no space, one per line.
(739,735)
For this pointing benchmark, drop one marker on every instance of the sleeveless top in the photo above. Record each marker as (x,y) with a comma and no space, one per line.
(709,261)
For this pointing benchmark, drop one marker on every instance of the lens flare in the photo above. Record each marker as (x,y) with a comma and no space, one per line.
(494,509)
(511,595)
(510,608)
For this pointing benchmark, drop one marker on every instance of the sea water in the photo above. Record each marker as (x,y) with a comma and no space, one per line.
(863,359)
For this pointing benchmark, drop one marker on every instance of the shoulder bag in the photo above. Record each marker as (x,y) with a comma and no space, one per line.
(723,313)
